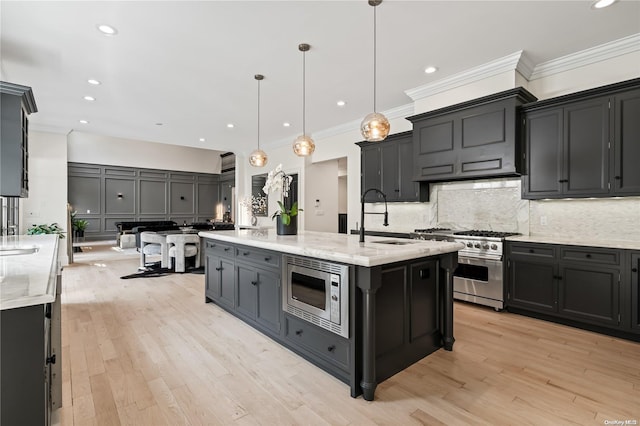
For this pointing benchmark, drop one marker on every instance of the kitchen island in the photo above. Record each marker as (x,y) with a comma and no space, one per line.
(399,307)
(30,329)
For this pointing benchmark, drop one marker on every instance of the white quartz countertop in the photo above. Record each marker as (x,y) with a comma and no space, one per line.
(28,279)
(579,241)
(336,247)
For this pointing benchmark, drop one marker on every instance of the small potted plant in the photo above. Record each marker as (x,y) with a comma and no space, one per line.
(287,219)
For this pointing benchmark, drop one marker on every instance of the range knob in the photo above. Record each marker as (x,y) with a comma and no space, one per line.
(485,246)
(494,247)
(470,245)
(477,245)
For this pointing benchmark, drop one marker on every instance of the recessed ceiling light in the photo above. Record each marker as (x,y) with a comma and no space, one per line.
(341,103)
(89,98)
(94,82)
(430,70)
(202,139)
(107,30)
(599,4)
(230,125)
(286,124)
(159,124)
(84,121)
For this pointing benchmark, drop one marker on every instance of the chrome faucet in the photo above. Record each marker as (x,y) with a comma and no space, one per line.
(362,212)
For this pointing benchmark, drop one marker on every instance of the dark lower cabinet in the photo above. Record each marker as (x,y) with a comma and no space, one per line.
(245,281)
(635,291)
(258,295)
(580,286)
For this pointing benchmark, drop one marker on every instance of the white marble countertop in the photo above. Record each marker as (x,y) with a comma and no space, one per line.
(578,241)
(336,247)
(28,279)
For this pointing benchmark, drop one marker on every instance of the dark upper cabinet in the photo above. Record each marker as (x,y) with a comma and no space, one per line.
(626,143)
(475,139)
(388,166)
(17,102)
(583,145)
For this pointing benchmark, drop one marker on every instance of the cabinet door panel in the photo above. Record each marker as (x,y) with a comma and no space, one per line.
(269,310)
(589,294)
(370,164)
(533,285)
(247,291)
(627,143)
(635,292)
(212,279)
(434,149)
(586,151)
(423,297)
(409,190)
(389,171)
(227,283)
(207,199)
(543,154)
(390,300)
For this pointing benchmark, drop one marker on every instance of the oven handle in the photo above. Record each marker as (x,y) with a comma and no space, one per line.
(493,261)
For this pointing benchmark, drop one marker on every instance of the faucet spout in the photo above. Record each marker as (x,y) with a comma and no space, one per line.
(362,212)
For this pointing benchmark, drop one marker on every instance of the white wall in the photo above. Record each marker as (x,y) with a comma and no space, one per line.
(97,149)
(47,201)
(321,196)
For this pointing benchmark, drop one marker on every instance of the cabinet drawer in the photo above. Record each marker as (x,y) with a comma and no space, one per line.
(324,344)
(537,250)
(602,256)
(219,249)
(258,257)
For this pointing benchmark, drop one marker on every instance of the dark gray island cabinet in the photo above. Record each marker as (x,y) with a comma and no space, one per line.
(400,298)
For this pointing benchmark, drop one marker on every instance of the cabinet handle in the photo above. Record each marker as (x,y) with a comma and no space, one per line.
(254,282)
(51,359)
(532,251)
(331,348)
(617,177)
(425,273)
(588,255)
(396,190)
(245,253)
(268,258)
(227,248)
(634,269)
(298,332)
(219,269)
(557,277)
(563,180)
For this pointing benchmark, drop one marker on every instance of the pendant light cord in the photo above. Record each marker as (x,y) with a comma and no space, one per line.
(258,114)
(304,73)
(374,58)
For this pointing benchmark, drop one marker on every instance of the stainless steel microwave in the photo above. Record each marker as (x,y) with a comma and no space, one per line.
(318,292)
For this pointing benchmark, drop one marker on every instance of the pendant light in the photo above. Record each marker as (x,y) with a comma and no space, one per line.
(303,146)
(375,126)
(258,157)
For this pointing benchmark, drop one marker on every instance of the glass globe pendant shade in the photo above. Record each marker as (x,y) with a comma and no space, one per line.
(375,127)
(258,158)
(303,146)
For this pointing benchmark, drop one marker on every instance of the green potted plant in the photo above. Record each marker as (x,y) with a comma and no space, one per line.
(287,219)
(46,229)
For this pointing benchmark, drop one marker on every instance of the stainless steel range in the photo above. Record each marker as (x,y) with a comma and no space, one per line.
(479,276)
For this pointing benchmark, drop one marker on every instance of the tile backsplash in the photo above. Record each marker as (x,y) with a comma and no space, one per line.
(496,204)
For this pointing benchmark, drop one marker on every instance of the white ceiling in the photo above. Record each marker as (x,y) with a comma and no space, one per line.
(190,65)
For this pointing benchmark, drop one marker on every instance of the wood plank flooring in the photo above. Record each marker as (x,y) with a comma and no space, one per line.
(149,351)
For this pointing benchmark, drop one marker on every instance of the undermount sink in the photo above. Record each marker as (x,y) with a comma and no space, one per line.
(17,251)
(393,242)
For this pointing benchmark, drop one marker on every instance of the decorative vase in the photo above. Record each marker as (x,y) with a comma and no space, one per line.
(290,229)
(254,220)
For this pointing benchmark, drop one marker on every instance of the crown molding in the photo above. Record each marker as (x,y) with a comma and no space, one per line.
(588,56)
(401,111)
(506,63)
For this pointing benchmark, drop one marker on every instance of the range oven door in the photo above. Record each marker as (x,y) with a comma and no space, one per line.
(480,281)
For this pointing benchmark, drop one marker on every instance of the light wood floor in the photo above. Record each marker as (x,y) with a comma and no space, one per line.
(151,352)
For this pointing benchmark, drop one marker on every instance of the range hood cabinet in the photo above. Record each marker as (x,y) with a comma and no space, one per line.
(471,140)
